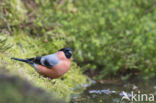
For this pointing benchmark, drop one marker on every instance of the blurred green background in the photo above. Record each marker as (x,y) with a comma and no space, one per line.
(110,38)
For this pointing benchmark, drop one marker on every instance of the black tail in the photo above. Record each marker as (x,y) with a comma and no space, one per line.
(23,60)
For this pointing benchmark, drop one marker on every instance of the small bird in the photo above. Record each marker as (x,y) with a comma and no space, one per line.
(53,65)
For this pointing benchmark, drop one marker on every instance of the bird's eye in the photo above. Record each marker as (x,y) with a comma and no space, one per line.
(68,54)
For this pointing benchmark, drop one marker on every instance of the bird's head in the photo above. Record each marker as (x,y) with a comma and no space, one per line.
(67,52)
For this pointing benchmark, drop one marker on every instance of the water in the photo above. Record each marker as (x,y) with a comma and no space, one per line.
(112,92)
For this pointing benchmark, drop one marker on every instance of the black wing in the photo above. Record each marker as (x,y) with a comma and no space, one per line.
(36,60)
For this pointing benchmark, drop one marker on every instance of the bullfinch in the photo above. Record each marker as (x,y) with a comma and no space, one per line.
(53,65)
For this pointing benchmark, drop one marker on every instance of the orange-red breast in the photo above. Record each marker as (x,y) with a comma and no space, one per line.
(53,65)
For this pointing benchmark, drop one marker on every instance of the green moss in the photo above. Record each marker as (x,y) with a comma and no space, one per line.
(113,37)
(12,13)
(24,46)
(13,89)
(3,45)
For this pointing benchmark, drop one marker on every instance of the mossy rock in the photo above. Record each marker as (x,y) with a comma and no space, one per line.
(14,89)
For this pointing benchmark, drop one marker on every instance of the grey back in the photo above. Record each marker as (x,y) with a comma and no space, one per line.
(49,60)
